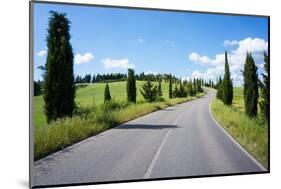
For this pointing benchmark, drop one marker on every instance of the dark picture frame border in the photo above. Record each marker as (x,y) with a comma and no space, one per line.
(31,95)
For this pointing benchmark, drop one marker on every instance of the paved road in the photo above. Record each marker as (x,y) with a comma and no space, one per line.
(182,140)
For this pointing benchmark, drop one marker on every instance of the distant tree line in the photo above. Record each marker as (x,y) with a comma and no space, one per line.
(95,78)
(88,78)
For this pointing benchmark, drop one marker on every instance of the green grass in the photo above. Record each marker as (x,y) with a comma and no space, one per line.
(93,115)
(252,134)
(92,95)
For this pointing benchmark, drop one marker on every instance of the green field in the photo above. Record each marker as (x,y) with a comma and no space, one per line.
(93,95)
(252,134)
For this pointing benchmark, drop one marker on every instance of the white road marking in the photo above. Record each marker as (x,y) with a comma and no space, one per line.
(155,158)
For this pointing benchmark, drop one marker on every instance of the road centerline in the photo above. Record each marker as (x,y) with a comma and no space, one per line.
(155,158)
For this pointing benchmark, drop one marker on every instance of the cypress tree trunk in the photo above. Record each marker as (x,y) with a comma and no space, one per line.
(251,90)
(227,87)
(131,87)
(264,104)
(107,96)
(59,88)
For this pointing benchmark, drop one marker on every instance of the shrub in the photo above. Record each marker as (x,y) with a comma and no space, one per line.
(149,91)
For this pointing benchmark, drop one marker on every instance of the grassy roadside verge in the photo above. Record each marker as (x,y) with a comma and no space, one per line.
(91,121)
(249,133)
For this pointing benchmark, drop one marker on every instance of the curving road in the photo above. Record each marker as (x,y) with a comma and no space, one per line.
(182,140)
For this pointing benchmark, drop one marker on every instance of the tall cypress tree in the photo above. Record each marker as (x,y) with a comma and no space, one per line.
(131,87)
(170,87)
(227,87)
(251,90)
(107,96)
(59,88)
(264,104)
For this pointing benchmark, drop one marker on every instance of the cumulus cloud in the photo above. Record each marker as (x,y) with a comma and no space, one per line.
(150,72)
(42,53)
(80,59)
(236,59)
(117,63)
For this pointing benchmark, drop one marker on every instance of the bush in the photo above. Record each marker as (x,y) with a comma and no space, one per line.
(160,99)
(149,91)
(83,112)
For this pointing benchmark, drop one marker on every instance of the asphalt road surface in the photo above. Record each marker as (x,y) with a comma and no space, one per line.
(182,140)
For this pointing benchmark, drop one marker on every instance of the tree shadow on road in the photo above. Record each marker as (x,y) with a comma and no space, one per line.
(147,126)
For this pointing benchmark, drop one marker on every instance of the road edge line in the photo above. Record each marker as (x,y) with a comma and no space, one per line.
(235,142)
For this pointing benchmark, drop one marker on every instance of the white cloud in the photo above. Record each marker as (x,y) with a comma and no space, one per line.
(236,59)
(150,72)
(42,53)
(80,59)
(230,43)
(195,57)
(254,45)
(117,63)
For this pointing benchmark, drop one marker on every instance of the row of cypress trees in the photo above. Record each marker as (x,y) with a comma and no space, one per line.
(250,88)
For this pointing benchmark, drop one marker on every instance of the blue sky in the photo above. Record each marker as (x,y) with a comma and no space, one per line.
(108,40)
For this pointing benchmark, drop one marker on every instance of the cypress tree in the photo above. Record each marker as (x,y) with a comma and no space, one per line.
(264,104)
(107,96)
(251,90)
(131,87)
(227,87)
(219,88)
(182,91)
(195,87)
(170,87)
(149,91)
(176,92)
(59,88)
(159,89)
(191,92)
